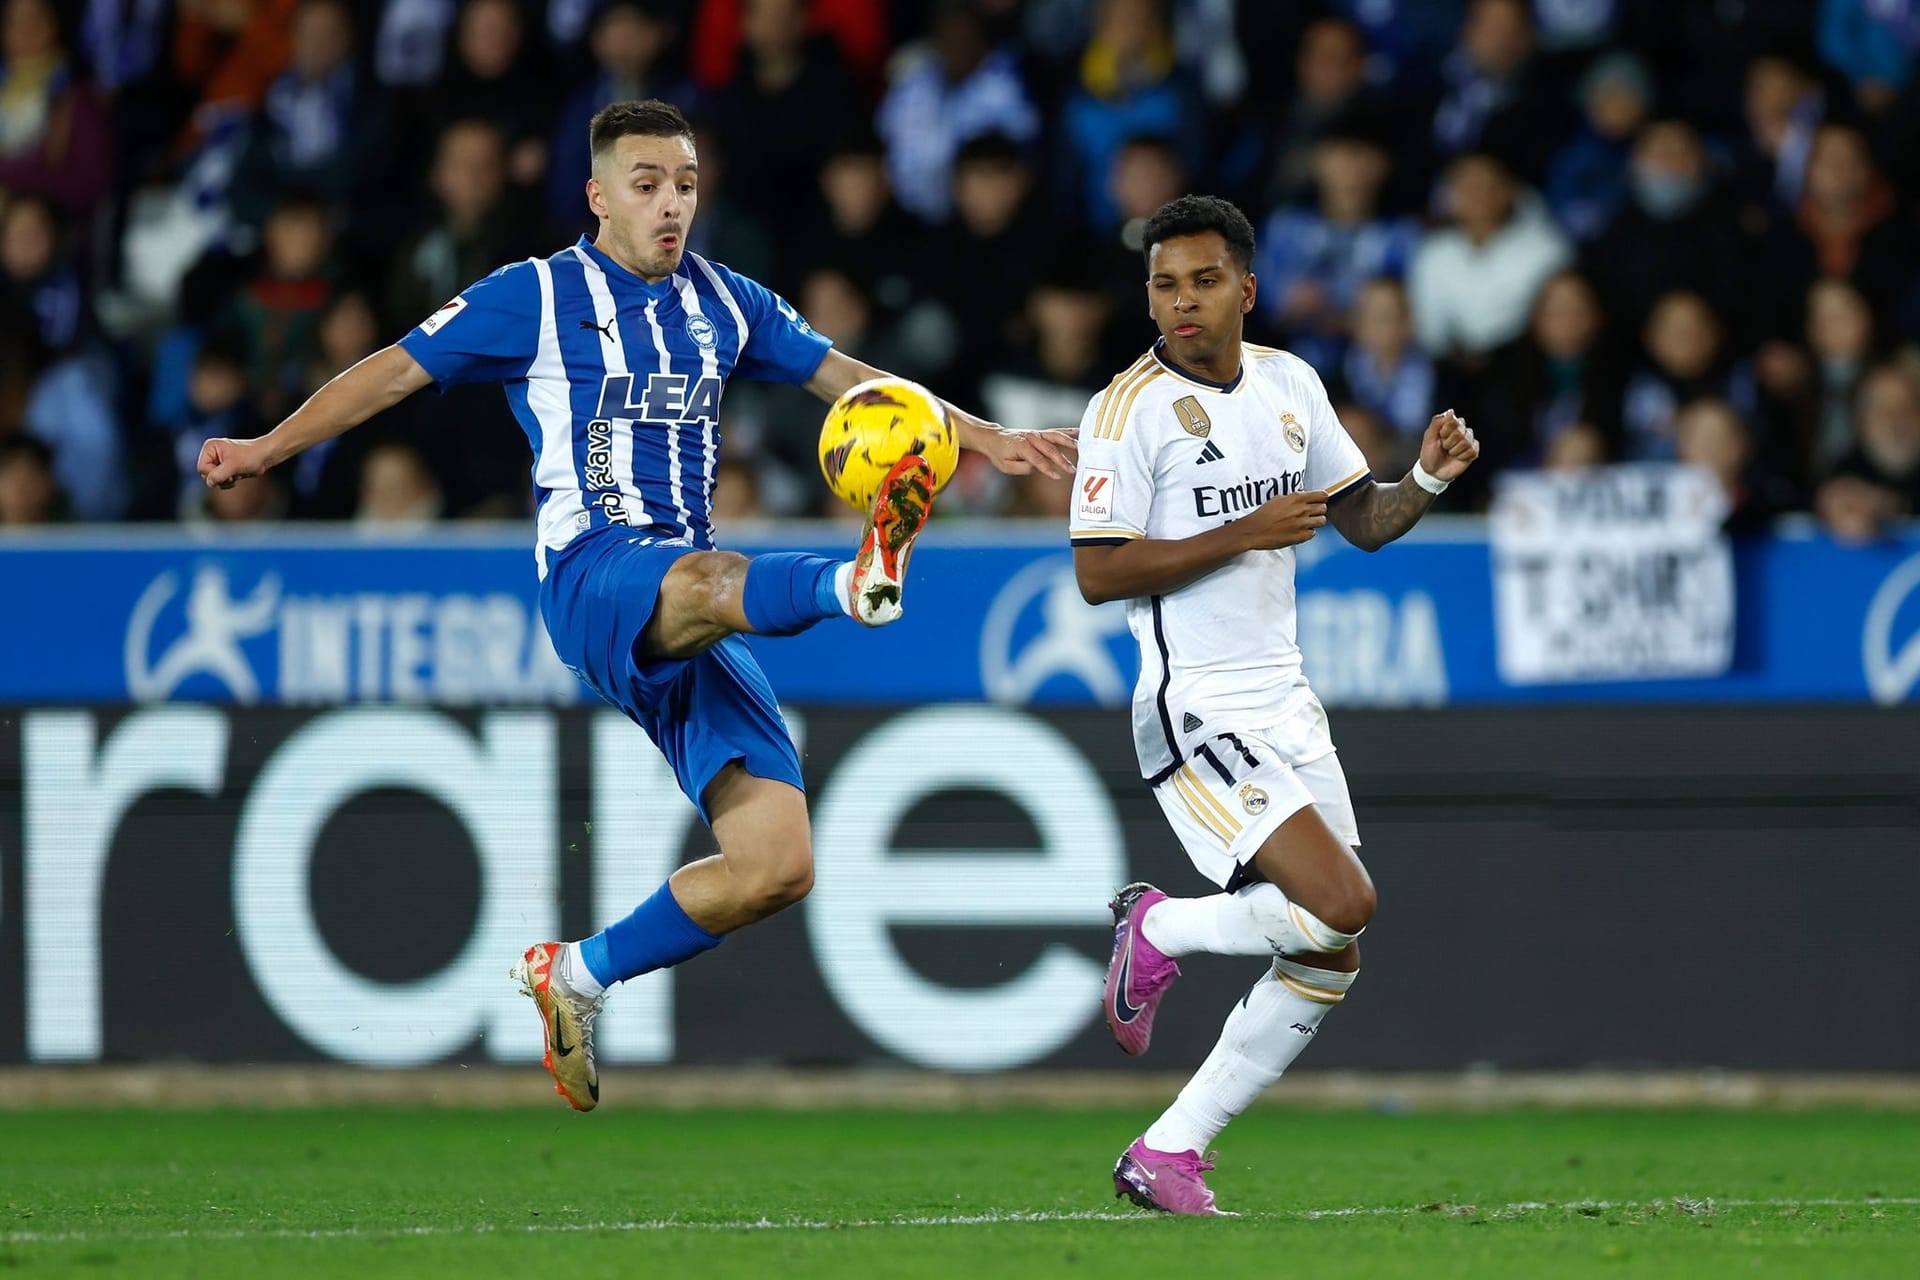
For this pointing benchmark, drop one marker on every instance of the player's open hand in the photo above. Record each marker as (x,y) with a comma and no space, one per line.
(1448,448)
(1285,521)
(1051,453)
(224,463)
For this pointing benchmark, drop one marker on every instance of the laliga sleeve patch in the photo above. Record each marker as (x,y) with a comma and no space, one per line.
(1093,504)
(431,325)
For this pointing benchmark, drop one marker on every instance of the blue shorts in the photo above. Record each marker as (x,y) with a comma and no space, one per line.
(703,712)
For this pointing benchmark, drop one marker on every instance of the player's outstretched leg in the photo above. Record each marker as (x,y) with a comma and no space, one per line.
(1167,1181)
(900,511)
(1139,972)
(568,1017)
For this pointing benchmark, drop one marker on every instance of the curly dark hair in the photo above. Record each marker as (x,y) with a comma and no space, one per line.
(1197,215)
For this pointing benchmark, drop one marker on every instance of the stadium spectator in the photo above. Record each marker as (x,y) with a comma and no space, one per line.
(1312,261)
(719,37)
(1873,44)
(1047,377)
(498,75)
(1782,106)
(1673,233)
(1384,369)
(1578,448)
(410,41)
(1495,99)
(1810,387)
(1687,358)
(1329,85)
(397,489)
(481,223)
(1880,479)
(780,115)
(1587,180)
(322,126)
(38,275)
(978,266)
(1561,374)
(629,41)
(325,479)
(955,87)
(1127,86)
(28,492)
(1708,433)
(53,129)
(277,312)
(858,227)
(231,50)
(1147,172)
(1473,283)
(1846,227)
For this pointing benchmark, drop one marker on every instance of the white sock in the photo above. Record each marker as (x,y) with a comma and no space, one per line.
(843,587)
(574,972)
(1264,1034)
(1257,921)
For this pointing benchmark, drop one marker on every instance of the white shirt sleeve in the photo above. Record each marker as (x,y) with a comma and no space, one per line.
(1113,483)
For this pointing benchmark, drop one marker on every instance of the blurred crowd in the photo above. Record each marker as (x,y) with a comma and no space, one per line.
(1610,230)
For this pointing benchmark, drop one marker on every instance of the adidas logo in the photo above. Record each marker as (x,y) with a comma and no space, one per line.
(1211,453)
(1192,722)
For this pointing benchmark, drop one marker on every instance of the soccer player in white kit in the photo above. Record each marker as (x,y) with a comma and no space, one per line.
(1201,467)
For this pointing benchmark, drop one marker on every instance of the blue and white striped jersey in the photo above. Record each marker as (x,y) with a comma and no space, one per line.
(617,382)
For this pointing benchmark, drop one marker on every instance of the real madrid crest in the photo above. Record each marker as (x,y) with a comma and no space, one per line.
(1252,798)
(1193,419)
(1295,433)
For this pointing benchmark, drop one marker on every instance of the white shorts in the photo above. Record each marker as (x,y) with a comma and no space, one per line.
(1237,788)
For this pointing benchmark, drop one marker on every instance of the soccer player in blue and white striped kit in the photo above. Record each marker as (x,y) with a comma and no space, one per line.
(614,353)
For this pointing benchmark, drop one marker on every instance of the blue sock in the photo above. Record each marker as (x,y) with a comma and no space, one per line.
(788,591)
(657,935)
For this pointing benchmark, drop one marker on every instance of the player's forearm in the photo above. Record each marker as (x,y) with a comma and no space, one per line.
(839,371)
(378,382)
(1152,566)
(1379,513)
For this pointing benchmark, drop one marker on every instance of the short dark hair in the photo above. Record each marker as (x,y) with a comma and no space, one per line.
(995,148)
(1197,215)
(649,119)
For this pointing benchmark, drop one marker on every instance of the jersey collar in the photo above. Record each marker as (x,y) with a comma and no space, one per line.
(612,268)
(1166,362)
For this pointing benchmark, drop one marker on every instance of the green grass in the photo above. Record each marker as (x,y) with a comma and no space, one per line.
(369,1193)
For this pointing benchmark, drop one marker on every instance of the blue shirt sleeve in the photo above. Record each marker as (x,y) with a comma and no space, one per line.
(487,334)
(780,346)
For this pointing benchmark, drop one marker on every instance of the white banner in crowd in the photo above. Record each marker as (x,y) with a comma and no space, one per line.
(1619,573)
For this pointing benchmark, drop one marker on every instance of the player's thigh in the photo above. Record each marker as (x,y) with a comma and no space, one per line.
(1317,869)
(761,825)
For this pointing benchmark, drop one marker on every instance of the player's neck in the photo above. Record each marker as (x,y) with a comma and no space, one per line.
(1222,369)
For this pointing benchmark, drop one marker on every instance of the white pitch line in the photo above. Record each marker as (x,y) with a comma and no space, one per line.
(1702,1206)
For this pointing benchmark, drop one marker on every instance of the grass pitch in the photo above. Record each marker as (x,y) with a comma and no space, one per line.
(383,1192)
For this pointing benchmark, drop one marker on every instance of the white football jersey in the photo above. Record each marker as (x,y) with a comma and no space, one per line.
(1166,455)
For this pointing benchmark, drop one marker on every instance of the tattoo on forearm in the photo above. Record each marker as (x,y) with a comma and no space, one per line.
(1381,513)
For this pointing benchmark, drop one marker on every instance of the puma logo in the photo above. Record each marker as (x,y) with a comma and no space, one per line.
(604,330)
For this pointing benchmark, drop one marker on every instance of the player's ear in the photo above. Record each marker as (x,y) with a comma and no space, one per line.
(596,199)
(1249,290)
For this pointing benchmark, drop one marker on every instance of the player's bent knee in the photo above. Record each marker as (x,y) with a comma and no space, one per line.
(1352,908)
(779,881)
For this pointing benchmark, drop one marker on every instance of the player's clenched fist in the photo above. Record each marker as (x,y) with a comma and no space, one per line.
(1448,448)
(224,462)
(1285,521)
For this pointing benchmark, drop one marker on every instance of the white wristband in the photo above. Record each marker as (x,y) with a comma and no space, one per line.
(1427,480)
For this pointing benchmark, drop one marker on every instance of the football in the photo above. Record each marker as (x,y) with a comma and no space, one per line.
(874,425)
